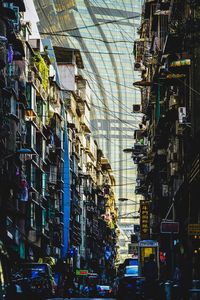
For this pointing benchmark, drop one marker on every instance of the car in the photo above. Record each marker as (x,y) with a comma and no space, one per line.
(41,277)
(130,262)
(131,271)
(130,287)
(104,291)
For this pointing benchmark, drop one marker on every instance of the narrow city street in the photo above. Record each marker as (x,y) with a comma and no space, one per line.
(99,149)
(82,298)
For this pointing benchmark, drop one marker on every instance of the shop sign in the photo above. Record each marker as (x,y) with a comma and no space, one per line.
(193,229)
(144,220)
(169,227)
(81,272)
(148,243)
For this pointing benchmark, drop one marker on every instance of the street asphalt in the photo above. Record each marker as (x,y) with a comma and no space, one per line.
(82,299)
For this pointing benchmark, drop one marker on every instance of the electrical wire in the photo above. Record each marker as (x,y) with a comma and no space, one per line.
(94,25)
(122,31)
(105,137)
(101,53)
(123,121)
(86,38)
(108,48)
(117,83)
(118,25)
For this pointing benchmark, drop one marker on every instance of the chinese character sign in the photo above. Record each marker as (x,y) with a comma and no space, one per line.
(144,220)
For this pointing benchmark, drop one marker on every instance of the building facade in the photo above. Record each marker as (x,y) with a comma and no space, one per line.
(168,160)
(107,54)
(50,165)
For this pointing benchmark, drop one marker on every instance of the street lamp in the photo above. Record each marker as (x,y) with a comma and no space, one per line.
(128,150)
(129,200)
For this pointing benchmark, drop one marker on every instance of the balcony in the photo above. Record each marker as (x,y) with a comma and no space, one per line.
(52,176)
(56,126)
(80,108)
(85,122)
(76,209)
(194,173)
(75,233)
(138,52)
(38,161)
(138,152)
(31,98)
(74,165)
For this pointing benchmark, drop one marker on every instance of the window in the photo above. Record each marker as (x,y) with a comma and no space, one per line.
(32,215)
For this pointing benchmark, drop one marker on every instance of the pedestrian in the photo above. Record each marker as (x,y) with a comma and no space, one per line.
(151,276)
(186,276)
(176,290)
(68,286)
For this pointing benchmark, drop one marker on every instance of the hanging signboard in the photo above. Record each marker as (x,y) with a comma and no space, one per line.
(144,220)
(82,272)
(193,229)
(169,227)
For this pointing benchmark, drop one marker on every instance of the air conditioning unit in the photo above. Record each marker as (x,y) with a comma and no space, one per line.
(136,108)
(138,66)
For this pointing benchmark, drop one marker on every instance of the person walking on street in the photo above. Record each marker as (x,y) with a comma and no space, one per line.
(151,276)
(186,276)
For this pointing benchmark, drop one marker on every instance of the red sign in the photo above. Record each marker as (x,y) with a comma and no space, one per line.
(169,227)
(81,272)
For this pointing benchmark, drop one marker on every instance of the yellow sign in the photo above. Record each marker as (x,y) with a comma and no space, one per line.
(193,229)
(144,220)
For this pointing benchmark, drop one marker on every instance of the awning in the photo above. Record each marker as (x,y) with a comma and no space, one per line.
(142,83)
